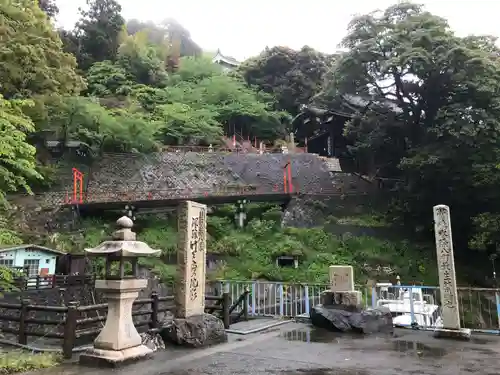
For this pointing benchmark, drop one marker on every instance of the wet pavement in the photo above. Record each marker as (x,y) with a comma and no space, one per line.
(297,349)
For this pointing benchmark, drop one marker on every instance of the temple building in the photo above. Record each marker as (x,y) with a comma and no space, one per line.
(227,62)
(321,130)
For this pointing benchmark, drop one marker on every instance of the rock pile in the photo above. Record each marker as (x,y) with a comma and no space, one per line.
(345,318)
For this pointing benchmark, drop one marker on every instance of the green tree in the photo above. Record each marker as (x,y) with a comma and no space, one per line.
(17,164)
(434,122)
(33,62)
(199,92)
(106,79)
(293,77)
(101,129)
(142,61)
(98,32)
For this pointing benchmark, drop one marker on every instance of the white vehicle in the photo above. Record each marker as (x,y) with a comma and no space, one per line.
(426,314)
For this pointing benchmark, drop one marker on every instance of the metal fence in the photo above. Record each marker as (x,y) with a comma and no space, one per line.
(412,306)
(269,298)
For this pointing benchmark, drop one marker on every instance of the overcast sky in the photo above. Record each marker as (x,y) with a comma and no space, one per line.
(243,28)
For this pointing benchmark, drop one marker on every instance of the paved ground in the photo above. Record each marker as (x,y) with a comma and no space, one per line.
(297,349)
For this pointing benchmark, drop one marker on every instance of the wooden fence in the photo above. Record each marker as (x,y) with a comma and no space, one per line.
(48,282)
(76,327)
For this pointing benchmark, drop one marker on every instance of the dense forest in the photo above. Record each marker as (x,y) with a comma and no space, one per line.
(121,85)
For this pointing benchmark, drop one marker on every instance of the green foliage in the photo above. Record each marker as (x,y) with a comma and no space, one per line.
(98,32)
(107,79)
(17,161)
(16,361)
(168,31)
(142,61)
(293,77)
(32,58)
(7,277)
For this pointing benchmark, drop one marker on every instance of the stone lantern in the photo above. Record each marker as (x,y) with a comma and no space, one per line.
(119,340)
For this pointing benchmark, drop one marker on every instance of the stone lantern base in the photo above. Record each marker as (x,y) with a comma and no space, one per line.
(119,342)
(114,358)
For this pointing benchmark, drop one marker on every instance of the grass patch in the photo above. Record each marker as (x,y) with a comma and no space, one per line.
(362,220)
(15,361)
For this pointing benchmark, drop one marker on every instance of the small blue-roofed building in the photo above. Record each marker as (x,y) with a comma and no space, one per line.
(33,259)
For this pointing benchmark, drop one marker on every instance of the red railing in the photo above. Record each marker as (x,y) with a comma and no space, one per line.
(60,198)
(161,194)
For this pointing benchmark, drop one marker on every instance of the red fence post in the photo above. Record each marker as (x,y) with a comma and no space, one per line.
(290,186)
(77,185)
(284,179)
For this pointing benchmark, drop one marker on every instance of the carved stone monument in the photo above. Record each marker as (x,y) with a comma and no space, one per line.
(191,326)
(447,281)
(191,259)
(341,287)
(341,307)
(119,341)
(341,278)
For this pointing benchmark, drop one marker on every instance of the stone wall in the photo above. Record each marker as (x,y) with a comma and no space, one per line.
(309,173)
(205,171)
(165,172)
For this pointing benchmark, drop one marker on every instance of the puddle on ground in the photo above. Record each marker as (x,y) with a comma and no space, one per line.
(324,371)
(480,341)
(320,335)
(418,349)
(387,343)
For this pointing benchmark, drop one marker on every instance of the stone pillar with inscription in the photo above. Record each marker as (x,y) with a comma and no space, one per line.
(341,288)
(191,326)
(447,280)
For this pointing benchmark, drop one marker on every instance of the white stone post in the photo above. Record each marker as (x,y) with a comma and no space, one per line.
(292,142)
(447,280)
(191,259)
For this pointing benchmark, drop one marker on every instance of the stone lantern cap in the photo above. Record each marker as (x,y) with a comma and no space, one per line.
(124,243)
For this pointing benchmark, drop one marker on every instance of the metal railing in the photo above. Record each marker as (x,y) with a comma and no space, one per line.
(419,307)
(412,306)
(270,298)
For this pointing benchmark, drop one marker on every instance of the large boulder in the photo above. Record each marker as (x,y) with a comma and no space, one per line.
(349,319)
(195,331)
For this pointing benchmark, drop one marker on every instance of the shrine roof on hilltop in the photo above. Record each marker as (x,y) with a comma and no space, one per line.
(227,59)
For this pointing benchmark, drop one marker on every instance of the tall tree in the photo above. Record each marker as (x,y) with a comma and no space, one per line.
(98,31)
(293,77)
(435,123)
(33,61)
